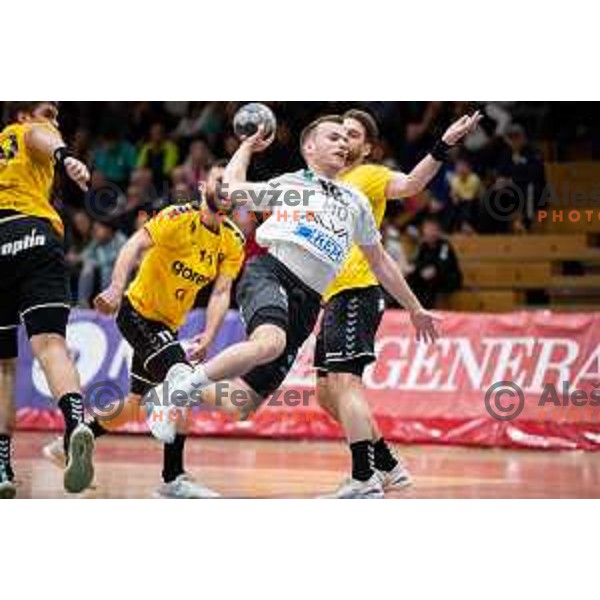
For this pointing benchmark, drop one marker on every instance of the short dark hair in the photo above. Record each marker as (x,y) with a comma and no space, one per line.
(309,129)
(12,109)
(366,120)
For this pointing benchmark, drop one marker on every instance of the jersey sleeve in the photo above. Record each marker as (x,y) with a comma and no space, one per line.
(166,227)
(366,232)
(234,255)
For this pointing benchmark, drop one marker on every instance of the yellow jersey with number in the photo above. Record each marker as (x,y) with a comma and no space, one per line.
(372,181)
(26,178)
(186,256)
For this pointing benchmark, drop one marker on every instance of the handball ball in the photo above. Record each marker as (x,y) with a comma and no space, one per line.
(250,116)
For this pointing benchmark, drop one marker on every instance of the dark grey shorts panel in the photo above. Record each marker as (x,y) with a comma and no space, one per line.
(269,293)
(260,290)
(346,340)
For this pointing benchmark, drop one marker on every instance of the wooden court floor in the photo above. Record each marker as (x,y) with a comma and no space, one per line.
(129,467)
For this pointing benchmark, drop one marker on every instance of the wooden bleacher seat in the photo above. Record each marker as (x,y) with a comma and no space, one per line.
(482,301)
(519,247)
(498,275)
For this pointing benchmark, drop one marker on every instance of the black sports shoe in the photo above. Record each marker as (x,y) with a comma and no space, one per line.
(79,472)
(7,485)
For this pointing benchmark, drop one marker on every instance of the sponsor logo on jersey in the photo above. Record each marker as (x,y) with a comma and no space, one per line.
(185,272)
(323,242)
(32,240)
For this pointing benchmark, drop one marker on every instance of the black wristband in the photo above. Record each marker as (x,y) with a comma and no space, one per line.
(440,150)
(60,154)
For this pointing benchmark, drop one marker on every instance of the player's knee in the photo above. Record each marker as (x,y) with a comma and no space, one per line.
(270,342)
(338,383)
(44,344)
(8,365)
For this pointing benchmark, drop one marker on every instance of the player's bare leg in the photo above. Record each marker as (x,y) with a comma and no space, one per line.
(342,396)
(325,399)
(131,411)
(179,486)
(63,380)
(265,345)
(7,426)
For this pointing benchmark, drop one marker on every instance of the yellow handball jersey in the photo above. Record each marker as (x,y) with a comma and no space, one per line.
(372,181)
(185,257)
(26,179)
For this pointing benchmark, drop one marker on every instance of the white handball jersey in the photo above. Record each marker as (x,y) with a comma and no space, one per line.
(313,225)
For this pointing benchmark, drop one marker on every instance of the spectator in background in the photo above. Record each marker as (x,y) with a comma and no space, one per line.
(391,241)
(190,124)
(465,191)
(431,207)
(81,145)
(77,237)
(142,179)
(114,157)
(196,165)
(99,258)
(230,145)
(160,155)
(137,202)
(393,244)
(520,163)
(435,269)
(179,177)
(103,197)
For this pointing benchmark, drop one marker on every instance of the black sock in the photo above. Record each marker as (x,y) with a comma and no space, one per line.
(362,460)
(71,406)
(97,429)
(384,457)
(173,459)
(5,454)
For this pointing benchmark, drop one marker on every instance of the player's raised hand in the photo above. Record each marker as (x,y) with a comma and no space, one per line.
(77,171)
(461,127)
(426,325)
(257,141)
(199,347)
(108,301)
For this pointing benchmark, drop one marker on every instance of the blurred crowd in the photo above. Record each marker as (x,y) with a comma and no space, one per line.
(147,155)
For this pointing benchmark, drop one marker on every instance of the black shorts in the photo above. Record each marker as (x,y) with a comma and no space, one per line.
(269,293)
(346,340)
(155,348)
(34,286)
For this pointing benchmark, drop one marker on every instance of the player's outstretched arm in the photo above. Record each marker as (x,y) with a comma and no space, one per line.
(390,276)
(218,305)
(47,142)
(108,301)
(403,185)
(236,186)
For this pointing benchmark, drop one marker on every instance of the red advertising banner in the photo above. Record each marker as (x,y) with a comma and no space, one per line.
(526,379)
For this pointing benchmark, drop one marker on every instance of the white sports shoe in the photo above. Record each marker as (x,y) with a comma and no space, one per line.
(185,488)
(55,452)
(8,489)
(354,489)
(79,470)
(162,416)
(396,479)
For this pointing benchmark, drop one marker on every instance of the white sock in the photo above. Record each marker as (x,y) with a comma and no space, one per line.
(178,371)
